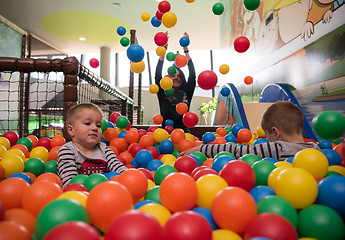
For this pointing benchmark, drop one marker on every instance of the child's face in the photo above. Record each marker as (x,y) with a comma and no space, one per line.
(177,82)
(87,128)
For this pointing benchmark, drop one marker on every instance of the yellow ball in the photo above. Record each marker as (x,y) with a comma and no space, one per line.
(160,134)
(225,234)
(224,69)
(166,83)
(153,88)
(169,19)
(170,162)
(208,186)
(14,151)
(189,136)
(260,132)
(158,211)
(12,164)
(338,169)
(283,164)
(5,142)
(138,67)
(145,16)
(190,1)
(168,157)
(76,195)
(312,160)
(3,149)
(272,177)
(160,51)
(150,184)
(40,152)
(297,186)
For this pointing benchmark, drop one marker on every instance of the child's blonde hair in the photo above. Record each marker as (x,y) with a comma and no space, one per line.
(285,116)
(70,117)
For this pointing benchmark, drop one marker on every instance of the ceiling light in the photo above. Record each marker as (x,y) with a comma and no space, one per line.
(82,39)
(116,4)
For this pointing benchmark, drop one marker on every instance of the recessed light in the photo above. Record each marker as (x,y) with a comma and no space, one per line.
(116,4)
(82,39)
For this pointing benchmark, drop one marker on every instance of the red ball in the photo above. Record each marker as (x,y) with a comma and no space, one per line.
(207,79)
(241,44)
(152,128)
(238,173)
(135,224)
(13,137)
(73,230)
(164,6)
(94,63)
(142,132)
(203,172)
(75,187)
(44,142)
(190,119)
(248,80)
(272,226)
(185,164)
(136,147)
(169,129)
(154,151)
(114,116)
(159,15)
(187,225)
(161,39)
(147,173)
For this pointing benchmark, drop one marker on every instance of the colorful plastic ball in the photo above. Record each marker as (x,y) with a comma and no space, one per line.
(143,157)
(241,44)
(177,136)
(325,144)
(170,56)
(207,79)
(251,5)
(57,141)
(141,203)
(93,180)
(225,91)
(169,19)
(49,177)
(166,147)
(94,63)
(134,224)
(329,125)
(110,134)
(332,193)
(124,41)
(262,170)
(220,234)
(218,8)
(185,164)
(145,16)
(244,135)
(154,151)
(80,179)
(153,88)
(137,67)
(187,225)
(160,51)
(320,222)
(12,136)
(260,192)
(114,116)
(312,160)
(75,187)
(154,164)
(12,191)
(181,108)
(22,176)
(169,92)
(77,230)
(155,22)
(207,214)
(21,217)
(122,122)
(11,230)
(172,70)
(135,53)
(239,203)
(190,1)
(199,156)
(135,181)
(157,119)
(224,69)
(24,141)
(53,153)
(164,6)
(220,162)
(153,194)
(121,30)
(185,144)
(132,136)
(238,174)
(333,157)
(208,137)
(190,119)
(166,83)
(79,196)
(51,166)
(280,206)
(158,211)
(160,39)
(230,138)
(250,158)
(236,128)
(184,41)
(40,152)
(160,134)
(298,186)
(44,142)
(12,164)
(162,172)
(271,226)
(248,80)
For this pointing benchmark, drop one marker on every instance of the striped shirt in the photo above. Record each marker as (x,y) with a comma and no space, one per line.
(71,162)
(278,150)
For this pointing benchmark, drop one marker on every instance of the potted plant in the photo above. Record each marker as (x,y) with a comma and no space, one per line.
(208,110)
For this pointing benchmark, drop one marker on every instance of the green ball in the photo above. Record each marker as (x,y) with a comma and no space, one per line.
(172,71)
(218,8)
(122,122)
(57,212)
(176,152)
(262,170)
(162,172)
(250,158)
(26,142)
(222,154)
(331,173)
(170,56)
(169,92)
(280,206)
(320,222)
(51,166)
(124,41)
(153,195)
(228,130)
(329,125)
(94,179)
(251,5)
(104,125)
(34,165)
(202,158)
(80,178)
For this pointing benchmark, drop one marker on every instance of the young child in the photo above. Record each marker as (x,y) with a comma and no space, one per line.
(282,123)
(85,154)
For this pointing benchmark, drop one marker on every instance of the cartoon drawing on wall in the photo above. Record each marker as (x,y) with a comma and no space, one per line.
(268,32)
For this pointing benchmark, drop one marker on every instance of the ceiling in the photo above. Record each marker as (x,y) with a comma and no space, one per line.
(60,24)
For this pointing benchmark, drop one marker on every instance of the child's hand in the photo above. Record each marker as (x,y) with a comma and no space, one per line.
(188,151)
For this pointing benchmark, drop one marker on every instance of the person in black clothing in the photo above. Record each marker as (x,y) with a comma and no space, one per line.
(183,91)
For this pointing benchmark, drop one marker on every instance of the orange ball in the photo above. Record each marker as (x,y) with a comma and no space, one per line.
(157,119)
(49,177)
(208,162)
(181,108)
(39,194)
(127,156)
(221,131)
(181,61)
(12,191)
(22,148)
(106,201)
(220,140)
(110,134)
(119,143)
(248,80)
(178,191)
(244,135)
(132,136)
(338,149)
(53,153)
(34,140)
(57,141)
(12,230)
(147,140)
(22,217)
(135,181)
(32,176)
(185,144)
(177,136)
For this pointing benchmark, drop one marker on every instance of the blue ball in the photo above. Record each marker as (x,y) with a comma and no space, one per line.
(325,144)
(111,174)
(195,158)
(121,31)
(135,53)
(333,157)
(230,138)
(166,147)
(220,162)
(169,122)
(105,141)
(142,203)
(134,163)
(236,128)
(332,193)
(225,91)
(111,125)
(155,22)
(22,176)
(184,41)
(154,165)
(122,134)
(207,214)
(259,192)
(208,137)
(260,140)
(143,157)
(272,160)
(289,159)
